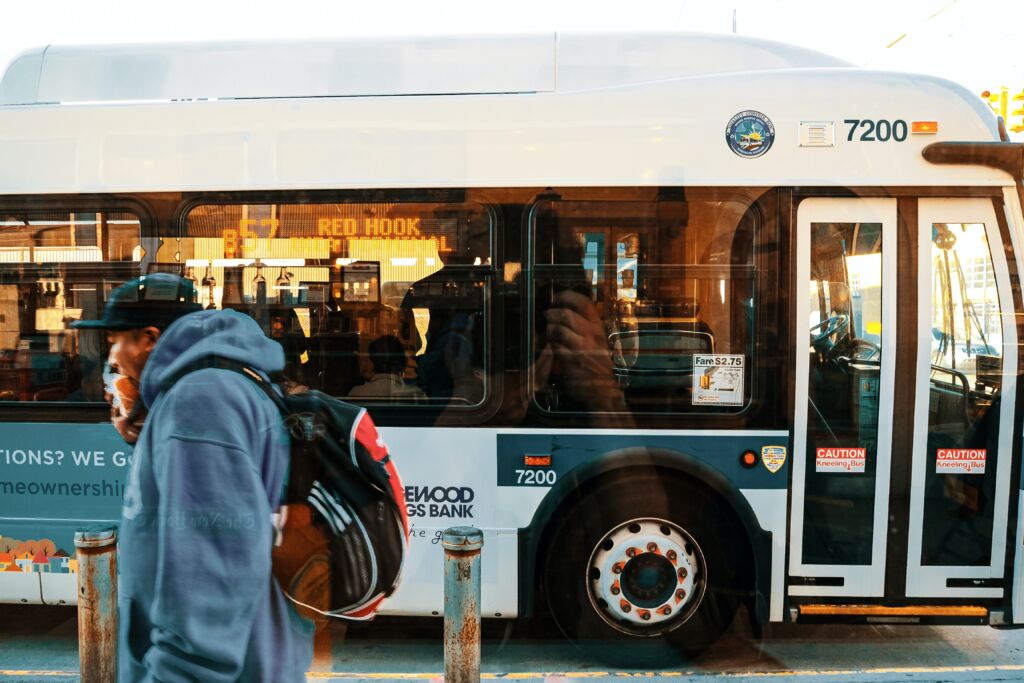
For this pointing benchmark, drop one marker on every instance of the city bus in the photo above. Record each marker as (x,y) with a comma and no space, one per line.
(688,325)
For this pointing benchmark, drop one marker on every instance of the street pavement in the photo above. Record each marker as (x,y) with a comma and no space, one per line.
(39,644)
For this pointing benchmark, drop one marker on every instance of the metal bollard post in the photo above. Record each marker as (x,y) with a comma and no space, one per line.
(462,546)
(96,551)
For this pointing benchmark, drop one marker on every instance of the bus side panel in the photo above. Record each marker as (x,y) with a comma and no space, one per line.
(476,477)
(55,479)
(449,476)
(769,506)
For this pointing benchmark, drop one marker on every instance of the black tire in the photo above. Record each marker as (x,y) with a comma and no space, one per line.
(616,514)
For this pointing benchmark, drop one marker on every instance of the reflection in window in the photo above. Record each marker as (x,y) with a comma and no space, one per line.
(69,238)
(56,267)
(966,349)
(966,325)
(844,343)
(379,302)
(662,283)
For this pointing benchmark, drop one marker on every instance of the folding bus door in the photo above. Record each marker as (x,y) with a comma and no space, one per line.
(964,403)
(845,346)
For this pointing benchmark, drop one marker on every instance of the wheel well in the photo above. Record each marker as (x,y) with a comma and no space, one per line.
(753,563)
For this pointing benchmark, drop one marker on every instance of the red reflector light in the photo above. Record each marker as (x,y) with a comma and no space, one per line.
(537,460)
(929,127)
(748,459)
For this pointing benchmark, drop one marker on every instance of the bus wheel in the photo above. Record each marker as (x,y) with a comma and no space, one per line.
(640,572)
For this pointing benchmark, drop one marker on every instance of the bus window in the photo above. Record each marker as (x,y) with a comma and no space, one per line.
(844,342)
(671,284)
(382,303)
(55,267)
(963,398)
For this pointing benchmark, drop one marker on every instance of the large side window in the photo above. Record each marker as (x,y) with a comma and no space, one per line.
(56,267)
(382,303)
(644,306)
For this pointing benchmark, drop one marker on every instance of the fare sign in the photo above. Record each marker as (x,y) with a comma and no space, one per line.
(840,459)
(960,460)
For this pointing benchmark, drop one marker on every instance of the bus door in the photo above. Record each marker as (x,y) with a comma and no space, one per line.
(957,374)
(845,336)
(964,403)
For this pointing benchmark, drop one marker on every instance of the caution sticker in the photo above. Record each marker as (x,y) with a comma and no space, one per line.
(960,460)
(773,457)
(840,459)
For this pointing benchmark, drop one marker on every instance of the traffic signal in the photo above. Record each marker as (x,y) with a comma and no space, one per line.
(1015,122)
(998,102)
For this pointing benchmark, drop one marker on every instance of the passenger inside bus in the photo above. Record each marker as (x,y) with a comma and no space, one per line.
(389,361)
(348,275)
(450,367)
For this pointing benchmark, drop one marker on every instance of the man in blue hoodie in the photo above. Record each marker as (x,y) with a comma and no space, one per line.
(197,599)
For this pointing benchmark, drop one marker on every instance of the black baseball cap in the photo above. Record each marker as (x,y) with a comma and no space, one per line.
(155,300)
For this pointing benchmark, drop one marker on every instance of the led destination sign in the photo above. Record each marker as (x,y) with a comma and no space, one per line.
(338,230)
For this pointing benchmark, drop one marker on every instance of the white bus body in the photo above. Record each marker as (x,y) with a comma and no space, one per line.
(166,129)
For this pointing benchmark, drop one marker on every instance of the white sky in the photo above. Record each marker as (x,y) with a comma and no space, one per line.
(974,42)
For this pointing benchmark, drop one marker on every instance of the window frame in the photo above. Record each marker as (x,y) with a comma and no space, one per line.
(765,231)
(400,414)
(75,411)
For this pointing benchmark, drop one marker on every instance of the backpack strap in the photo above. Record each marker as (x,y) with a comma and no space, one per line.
(222,363)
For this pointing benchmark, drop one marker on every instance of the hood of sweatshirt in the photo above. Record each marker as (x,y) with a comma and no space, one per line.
(228,334)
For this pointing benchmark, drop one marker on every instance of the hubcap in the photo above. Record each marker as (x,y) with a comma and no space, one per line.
(646,576)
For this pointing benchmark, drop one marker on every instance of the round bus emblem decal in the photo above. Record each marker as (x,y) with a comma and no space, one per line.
(750,134)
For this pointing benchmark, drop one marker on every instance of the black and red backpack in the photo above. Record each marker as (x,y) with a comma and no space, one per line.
(343,529)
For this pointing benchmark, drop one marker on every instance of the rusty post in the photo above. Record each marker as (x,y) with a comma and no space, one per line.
(96,552)
(462,603)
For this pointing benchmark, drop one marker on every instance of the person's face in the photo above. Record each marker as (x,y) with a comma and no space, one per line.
(130,349)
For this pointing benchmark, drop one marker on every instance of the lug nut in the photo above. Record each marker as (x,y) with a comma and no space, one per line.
(680,594)
(645,615)
(671,555)
(652,547)
(682,573)
(615,590)
(617,568)
(625,606)
(666,610)
(631,552)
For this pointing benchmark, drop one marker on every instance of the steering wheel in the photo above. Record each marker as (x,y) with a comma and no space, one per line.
(827,328)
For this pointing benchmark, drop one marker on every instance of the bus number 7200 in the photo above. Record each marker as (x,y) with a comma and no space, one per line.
(536,477)
(881,130)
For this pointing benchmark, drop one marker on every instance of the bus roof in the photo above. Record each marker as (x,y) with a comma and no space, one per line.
(556,110)
(384,66)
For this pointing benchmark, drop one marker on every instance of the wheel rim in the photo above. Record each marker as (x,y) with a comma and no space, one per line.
(646,576)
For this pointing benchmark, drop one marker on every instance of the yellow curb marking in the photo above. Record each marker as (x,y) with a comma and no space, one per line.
(25,672)
(326,675)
